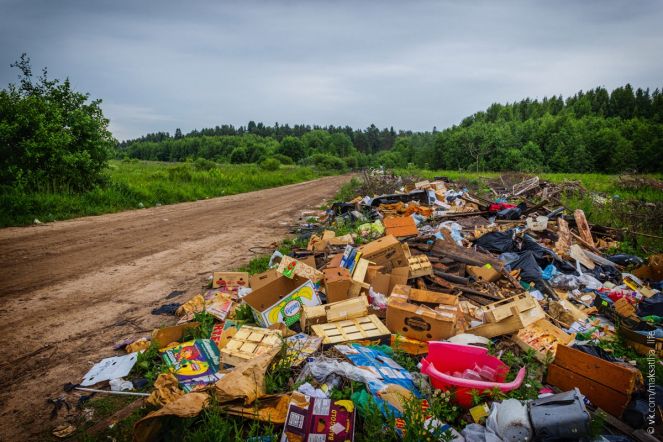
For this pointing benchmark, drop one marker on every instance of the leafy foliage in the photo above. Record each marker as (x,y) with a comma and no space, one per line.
(51,137)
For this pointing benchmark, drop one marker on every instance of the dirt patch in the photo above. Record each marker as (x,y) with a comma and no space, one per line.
(69,290)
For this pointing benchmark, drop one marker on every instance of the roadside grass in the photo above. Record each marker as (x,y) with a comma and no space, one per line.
(135,184)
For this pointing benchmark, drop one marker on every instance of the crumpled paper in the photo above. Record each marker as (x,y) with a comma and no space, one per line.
(244,383)
(166,390)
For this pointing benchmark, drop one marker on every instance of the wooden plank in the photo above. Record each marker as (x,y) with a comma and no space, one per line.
(420,266)
(608,399)
(564,237)
(576,252)
(583,227)
(615,376)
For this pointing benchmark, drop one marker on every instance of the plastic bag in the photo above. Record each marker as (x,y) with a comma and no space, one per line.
(321,367)
(589,282)
(497,242)
(378,300)
(479,433)
(565,282)
(455,230)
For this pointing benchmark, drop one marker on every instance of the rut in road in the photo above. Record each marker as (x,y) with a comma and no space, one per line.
(70,290)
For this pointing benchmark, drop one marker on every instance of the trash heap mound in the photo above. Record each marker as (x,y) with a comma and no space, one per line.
(426,313)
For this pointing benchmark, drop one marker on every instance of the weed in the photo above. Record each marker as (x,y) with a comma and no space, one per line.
(149,364)
(348,190)
(279,372)
(204,328)
(243,313)
(257,265)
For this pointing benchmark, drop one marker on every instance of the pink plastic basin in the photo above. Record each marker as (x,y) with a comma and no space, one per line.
(445,357)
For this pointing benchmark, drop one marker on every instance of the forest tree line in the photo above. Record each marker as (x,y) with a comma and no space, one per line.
(593,131)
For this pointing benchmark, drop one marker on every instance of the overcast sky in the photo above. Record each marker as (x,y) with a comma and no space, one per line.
(159,65)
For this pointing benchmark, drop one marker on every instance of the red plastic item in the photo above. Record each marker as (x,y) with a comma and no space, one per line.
(445,357)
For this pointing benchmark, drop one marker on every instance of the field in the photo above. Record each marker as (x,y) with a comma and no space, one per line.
(635,205)
(137,184)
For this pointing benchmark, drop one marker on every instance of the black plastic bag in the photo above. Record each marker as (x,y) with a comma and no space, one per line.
(651,306)
(497,242)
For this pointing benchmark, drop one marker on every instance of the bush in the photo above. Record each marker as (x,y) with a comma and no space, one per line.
(270,164)
(51,137)
(239,155)
(283,159)
(203,164)
(325,161)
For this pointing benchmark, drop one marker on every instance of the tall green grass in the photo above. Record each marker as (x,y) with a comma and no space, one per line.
(135,184)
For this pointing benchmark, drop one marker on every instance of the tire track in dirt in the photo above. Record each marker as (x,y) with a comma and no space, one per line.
(79,286)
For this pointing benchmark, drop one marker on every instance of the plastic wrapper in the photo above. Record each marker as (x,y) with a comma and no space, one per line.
(378,300)
(565,282)
(589,282)
(322,367)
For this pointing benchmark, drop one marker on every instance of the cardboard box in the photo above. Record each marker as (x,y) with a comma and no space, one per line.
(543,337)
(290,267)
(249,342)
(607,384)
(485,273)
(516,321)
(261,279)
(421,322)
(167,335)
(368,329)
(409,346)
(500,310)
(312,419)
(400,227)
(398,275)
(230,281)
(358,277)
(428,297)
(281,300)
(336,311)
(385,251)
(337,284)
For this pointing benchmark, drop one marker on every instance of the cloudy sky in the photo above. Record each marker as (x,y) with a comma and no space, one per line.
(159,65)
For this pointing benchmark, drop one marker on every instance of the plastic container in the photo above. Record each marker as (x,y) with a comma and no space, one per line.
(561,416)
(445,357)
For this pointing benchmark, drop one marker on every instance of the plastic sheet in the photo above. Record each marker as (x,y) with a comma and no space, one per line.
(322,367)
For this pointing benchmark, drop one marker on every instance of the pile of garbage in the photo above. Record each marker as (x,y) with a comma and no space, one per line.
(405,305)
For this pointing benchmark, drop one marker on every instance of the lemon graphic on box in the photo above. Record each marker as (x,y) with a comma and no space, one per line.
(290,307)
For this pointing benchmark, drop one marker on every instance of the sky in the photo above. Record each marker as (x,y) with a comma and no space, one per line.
(413,65)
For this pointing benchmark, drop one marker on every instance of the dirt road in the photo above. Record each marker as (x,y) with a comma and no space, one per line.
(71,289)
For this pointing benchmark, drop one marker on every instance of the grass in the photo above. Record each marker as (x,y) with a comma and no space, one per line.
(136,184)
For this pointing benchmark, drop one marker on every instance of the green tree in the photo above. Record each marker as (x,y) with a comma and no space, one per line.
(51,137)
(292,147)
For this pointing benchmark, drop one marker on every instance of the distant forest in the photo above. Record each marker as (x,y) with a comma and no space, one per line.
(593,131)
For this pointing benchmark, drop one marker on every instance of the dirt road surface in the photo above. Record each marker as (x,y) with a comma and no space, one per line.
(70,290)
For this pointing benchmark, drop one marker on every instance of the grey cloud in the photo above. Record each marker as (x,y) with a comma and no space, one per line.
(411,65)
